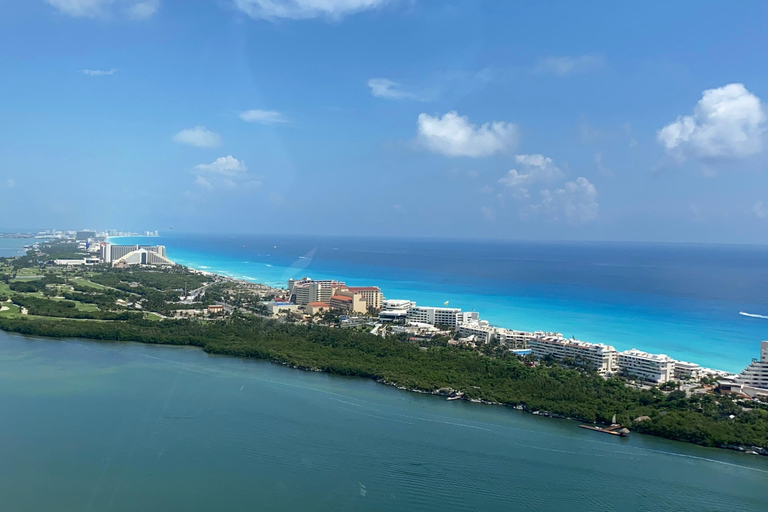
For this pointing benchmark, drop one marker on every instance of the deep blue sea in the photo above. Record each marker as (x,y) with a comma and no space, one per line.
(678,299)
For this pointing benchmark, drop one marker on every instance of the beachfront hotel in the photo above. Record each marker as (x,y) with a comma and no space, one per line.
(755,376)
(370,294)
(305,290)
(133,254)
(603,358)
(656,368)
(484,332)
(450,317)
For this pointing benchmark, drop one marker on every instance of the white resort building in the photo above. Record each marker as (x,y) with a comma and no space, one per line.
(602,358)
(755,376)
(450,317)
(656,368)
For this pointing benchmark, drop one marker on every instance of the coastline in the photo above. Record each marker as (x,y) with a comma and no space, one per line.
(539,313)
(468,374)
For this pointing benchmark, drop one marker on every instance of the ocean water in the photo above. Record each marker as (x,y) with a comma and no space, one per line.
(682,300)
(113,427)
(14,246)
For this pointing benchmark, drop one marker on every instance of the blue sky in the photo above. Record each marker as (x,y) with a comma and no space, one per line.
(521,120)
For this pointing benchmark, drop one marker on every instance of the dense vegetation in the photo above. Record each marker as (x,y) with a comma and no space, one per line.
(94,303)
(574,393)
(65,309)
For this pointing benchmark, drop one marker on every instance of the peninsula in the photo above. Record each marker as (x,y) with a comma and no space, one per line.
(146,298)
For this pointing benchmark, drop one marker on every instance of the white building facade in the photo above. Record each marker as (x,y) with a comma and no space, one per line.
(756,374)
(450,317)
(656,368)
(603,358)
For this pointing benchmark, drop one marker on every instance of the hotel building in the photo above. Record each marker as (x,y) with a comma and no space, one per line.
(602,358)
(348,302)
(371,294)
(484,333)
(756,374)
(305,290)
(656,368)
(451,317)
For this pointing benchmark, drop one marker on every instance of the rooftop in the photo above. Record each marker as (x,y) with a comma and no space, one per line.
(645,355)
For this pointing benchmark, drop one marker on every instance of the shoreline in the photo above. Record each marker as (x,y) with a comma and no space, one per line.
(443,393)
(237,276)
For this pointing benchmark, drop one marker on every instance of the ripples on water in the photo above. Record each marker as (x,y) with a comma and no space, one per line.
(135,427)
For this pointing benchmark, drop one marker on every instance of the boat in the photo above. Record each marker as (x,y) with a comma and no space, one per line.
(455,397)
(615,429)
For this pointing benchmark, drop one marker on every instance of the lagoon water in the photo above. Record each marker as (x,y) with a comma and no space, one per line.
(14,246)
(89,426)
(682,300)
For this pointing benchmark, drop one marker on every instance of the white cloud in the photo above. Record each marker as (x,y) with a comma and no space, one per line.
(384,88)
(576,202)
(399,208)
(142,10)
(225,165)
(601,168)
(99,72)
(136,9)
(488,213)
(535,169)
(727,122)
(304,9)
(199,136)
(454,135)
(564,66)
(199,180)
(760,210)
(263,117)
(11,182)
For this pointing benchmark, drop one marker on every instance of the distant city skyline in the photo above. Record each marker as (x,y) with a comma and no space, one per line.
(387,117)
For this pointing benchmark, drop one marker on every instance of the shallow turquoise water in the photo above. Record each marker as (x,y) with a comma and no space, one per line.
(90,426)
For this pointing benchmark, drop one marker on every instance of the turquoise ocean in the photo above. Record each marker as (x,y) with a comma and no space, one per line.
(702,303)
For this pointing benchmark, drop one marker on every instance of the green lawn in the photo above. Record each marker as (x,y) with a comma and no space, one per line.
(84,282)
(13,310)
(153,317)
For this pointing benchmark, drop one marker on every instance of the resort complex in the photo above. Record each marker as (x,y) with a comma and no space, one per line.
(307,298)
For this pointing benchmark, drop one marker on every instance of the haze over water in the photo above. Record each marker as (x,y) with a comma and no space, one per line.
(680,300)
(91,426)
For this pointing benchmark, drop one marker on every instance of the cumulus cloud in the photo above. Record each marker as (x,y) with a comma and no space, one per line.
(263,117)
(304,9)
(576,202)
(727,122)
(199,180)
(384,88)
(135,9)
(454,135)
(99,72)
(760,210)
(564,66)
(535,169)
(225,165)
(199,136)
